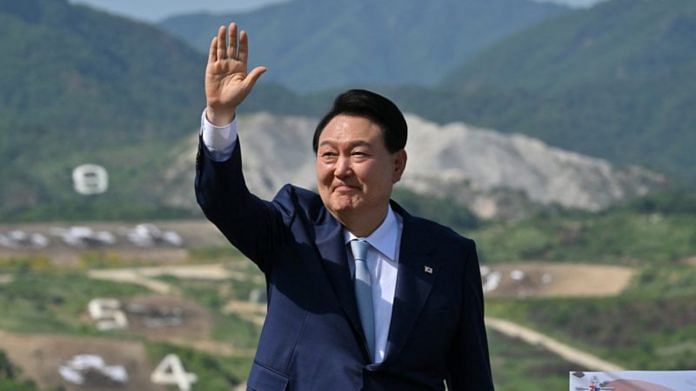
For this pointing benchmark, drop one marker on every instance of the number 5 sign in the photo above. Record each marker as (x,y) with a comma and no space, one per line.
(107,313)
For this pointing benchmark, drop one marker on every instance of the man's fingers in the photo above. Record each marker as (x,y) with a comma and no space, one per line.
(221,43)
(212,53)
(232,51)
(243,47)
(253,76)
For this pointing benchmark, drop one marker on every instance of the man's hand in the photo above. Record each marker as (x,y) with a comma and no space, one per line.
(227,82)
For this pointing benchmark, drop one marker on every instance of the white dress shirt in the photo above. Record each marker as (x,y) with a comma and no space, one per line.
(382,255)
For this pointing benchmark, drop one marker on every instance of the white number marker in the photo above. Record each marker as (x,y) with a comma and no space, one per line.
(171,371)
(107,314)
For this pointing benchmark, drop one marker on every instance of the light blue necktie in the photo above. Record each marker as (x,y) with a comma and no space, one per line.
(363,292)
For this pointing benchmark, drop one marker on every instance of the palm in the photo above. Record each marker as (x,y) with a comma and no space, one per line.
(227,82)
(224,82)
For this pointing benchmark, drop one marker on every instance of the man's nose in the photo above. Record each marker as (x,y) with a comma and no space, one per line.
(342,168)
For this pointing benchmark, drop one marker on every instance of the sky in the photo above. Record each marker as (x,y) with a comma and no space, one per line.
(155,10)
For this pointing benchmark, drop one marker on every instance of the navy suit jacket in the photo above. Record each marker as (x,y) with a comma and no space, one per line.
(312,338)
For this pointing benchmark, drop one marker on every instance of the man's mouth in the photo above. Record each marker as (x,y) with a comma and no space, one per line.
(343,188)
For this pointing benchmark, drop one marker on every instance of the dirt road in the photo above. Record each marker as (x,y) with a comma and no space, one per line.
(584,360)
(146,276)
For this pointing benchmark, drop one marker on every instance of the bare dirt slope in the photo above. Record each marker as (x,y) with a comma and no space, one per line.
(40,356)
(558,279)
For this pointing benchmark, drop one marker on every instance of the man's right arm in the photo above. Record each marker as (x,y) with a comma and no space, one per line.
(254,226)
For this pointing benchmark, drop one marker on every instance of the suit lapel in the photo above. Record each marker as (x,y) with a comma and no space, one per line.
(329,242)
(413,282)
(417,272)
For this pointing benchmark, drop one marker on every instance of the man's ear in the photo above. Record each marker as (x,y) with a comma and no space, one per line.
(399,160)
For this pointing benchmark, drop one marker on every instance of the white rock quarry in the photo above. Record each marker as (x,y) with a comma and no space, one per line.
(459,156)
(490,172)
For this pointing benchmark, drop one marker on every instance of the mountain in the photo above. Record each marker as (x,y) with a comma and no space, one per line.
(615,81)
(59,59)
(311,45)
(121,94)
(81,86)
(493,174)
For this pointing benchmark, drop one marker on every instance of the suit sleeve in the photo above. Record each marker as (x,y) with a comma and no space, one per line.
(254,226)
(469,364)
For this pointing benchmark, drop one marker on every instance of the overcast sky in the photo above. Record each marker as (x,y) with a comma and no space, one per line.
(154,10)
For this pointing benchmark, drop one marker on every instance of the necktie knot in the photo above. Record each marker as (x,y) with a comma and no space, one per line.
(359,249)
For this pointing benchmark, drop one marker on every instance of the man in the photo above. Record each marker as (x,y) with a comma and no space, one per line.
(361,295)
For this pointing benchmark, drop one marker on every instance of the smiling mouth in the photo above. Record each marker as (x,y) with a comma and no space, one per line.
(344,188)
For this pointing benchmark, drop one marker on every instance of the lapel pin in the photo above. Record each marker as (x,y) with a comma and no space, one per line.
(428,269)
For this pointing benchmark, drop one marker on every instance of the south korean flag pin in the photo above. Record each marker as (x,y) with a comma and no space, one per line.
(428,269)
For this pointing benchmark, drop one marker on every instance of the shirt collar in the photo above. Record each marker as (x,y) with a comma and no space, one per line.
(384,238)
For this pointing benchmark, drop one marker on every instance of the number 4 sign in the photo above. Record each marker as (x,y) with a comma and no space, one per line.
(171,371)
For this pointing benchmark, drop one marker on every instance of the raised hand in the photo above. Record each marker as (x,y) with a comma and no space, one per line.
(227,82)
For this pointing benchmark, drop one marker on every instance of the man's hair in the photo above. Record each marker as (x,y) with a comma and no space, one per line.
(375,107)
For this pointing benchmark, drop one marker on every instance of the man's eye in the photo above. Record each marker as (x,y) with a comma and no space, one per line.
(359,153)
(328,154)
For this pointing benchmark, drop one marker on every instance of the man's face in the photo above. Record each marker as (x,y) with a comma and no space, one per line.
(355,171)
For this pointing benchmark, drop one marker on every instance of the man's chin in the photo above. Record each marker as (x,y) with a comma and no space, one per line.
(341,208)
(343,205)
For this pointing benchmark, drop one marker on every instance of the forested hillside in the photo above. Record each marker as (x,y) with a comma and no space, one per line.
(68,67)
(615,81)
(82,86)
(311,44)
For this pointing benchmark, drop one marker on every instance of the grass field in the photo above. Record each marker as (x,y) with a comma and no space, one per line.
(518,366)
(650,325)
(626,238)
